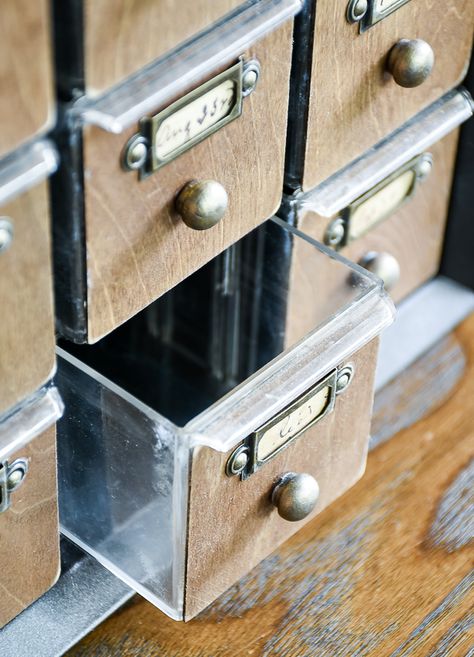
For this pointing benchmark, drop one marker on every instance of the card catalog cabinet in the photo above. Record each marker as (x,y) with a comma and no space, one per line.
(26,85)
(180,482)
(175,164)
(373,65)
(29,532)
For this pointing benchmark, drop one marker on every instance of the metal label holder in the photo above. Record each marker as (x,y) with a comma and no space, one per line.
(289,424)
(342,230)
(416,136)
(190,119)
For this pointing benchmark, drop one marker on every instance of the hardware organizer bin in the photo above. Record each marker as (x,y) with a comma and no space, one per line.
(27,357)
(29,531)
(167,473)
(387,210)
(390,58)
(168,168)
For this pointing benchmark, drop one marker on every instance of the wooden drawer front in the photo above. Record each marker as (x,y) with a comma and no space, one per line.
(27,326)
(120,36)
(138,247)
(232,523)
(25,71)
(413,234)
(29,558)
(354,102)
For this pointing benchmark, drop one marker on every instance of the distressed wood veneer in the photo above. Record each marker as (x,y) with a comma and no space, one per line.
(29,531)
(120,37)
(137,246)
(25,71)
(26,299)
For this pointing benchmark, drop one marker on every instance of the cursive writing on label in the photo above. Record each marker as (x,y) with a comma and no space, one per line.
(293,423)
(195,118)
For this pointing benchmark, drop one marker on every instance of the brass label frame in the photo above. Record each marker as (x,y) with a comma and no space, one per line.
(415,166)
(150,126)
(290,413)
(376,12)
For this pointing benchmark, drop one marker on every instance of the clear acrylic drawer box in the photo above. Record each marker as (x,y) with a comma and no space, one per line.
(147,482)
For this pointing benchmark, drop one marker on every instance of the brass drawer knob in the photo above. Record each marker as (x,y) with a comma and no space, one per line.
(410,61)
(295,495)
(383,265)
(202,203)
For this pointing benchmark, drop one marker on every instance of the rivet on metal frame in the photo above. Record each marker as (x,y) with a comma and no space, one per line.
(135,153)
(250,77)
(335,232)
(344,378)
(356,10)
(237,461)
(424,166)
(369,12)
(12,475)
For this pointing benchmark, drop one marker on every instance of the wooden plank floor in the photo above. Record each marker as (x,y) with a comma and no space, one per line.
(387,571)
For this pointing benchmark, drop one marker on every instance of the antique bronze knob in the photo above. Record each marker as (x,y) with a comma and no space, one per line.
(410,61)
(383,265)
(202,203)
(295,495)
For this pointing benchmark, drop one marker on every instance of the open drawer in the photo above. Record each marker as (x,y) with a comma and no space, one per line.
(180,480)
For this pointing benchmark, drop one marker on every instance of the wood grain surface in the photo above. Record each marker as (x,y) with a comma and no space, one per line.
(413,234)
(138,247)
(354,103)
(232,524)
(29,532)
(25,71)
(386,571)
(26,299)
(418,390)
(121,36)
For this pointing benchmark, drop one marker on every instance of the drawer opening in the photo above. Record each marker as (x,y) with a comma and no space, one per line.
(220,326)
(206,365)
